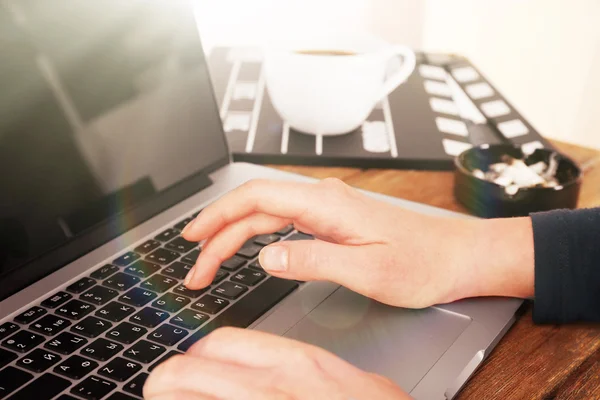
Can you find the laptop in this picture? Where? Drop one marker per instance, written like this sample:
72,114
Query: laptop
110,142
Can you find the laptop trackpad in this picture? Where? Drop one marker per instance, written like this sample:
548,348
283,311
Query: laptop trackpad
395,342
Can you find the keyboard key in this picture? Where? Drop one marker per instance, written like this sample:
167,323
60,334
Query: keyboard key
75,367
285,231
159,283
38,360
167,334
248,277
191,257
189,319
149,317
163,359
126,259
219,276
230,290
120,396
177,270
300,236
144,351
210,304
126,333
233,264
99,295
142,269
147,247
121,281
91,327
138,297
81,285
256,265
75,309
102,349
94,388
136,385
163,256
49,325
171,302
244,313
30,315
23,341
11,379
183,224
6,357
180,245
56,300
65,343
104,272
120,369
249,251
43,388
115,312
182,290
8,328
66,397
166,235
265,240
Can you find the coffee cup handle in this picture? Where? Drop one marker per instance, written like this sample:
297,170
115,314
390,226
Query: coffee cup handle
398,77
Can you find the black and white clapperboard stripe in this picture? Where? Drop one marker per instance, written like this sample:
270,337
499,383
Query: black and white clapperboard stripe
423,124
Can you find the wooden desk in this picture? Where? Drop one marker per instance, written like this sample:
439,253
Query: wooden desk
531,362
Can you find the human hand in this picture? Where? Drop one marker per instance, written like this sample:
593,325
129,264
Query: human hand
243,364
390,254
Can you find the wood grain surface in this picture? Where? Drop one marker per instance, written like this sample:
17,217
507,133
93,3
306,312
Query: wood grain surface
532,361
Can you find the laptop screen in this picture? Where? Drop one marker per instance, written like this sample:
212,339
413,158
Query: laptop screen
105,106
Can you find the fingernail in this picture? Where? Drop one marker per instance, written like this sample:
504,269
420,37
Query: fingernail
189,276
274,258
187,226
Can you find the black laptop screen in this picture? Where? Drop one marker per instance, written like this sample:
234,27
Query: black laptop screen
104,106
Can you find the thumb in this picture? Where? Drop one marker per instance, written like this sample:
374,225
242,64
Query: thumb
307,260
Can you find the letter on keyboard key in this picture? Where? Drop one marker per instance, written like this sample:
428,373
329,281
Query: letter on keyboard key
121,281
11,379
38,360
126,333
177,270
75,367
149,317
147,247
44,388
65,343
137,297
171,302
119,369
163,256
115,312
49,325
167,334
230,290
144,351
247,310
93,388
102,349
91,327
210,304
189,319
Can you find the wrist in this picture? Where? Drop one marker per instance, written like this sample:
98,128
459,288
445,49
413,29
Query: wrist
497,258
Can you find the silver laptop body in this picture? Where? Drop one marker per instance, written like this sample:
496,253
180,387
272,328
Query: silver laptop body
430,353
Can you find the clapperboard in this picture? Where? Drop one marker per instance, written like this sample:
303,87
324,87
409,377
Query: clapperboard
445,107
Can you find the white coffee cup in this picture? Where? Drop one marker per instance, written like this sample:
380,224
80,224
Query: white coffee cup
329,86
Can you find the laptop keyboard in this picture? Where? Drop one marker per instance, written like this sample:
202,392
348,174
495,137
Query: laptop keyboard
100,336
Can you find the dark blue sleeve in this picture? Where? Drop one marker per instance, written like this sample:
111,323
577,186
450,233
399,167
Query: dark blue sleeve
567,266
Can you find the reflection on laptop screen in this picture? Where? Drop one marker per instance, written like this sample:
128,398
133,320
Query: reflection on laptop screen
103,106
